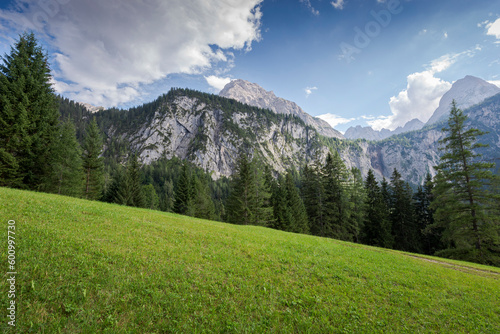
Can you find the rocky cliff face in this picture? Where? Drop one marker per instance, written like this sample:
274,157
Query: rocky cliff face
210,131
368,133
211,137
254,95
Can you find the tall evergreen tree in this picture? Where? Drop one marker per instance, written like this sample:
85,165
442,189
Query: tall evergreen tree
299,222
263,210
336,205
313,193
183,200
202,201
28,116
151,199
93,164
376,227
356,204
242,202
464,205
430,238
67,172
167,199
133,179
402,215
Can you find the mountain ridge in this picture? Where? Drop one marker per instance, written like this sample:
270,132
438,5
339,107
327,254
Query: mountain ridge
254,95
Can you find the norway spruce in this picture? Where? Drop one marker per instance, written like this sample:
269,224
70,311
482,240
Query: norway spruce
464,204
28,116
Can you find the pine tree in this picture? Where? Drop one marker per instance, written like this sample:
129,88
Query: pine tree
241,202
313,194
183,200
263,210
93,164
202,201
376,227
336,206
299,222
402,215
28,116
167,199
133,179
356,204
430,238
151,200
67,172
464,205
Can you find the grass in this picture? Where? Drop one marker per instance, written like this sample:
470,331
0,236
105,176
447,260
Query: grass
90,267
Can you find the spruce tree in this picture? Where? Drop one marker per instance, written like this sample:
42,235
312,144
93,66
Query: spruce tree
203,204
133,178
464,204
430,237
402,215
356,204
28,116
93,164
151,199
336,206
313,193
67,171
294,204
183,200
376,227
241,203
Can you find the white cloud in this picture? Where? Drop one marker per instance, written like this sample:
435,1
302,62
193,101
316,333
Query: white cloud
107,50
495,82
338,4
445,35
217,82
493,28
422,94
335,120
310,7
309,90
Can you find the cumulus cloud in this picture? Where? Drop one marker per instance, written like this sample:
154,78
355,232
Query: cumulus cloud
217,82
420,98
309,90
335,120
493,28
422,94
106,50
338,4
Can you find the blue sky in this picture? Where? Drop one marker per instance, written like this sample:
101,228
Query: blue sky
351,62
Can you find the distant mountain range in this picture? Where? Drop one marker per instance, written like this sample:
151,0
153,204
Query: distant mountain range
466,92
211,130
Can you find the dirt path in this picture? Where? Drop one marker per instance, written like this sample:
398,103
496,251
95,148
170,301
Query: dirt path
463,268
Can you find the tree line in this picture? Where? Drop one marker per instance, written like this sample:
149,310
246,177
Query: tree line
42,148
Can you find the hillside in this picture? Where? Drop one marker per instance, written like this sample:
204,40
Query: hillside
90,267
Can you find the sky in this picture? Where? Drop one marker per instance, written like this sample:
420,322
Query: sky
378,63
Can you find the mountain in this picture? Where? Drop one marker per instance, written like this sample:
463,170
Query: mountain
368,133
466,92
210,131
254,95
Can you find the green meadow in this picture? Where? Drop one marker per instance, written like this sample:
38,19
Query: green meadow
90,267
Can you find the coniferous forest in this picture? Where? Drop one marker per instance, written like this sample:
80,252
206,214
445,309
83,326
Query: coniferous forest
51,144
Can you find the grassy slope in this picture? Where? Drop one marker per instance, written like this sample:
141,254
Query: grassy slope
87,267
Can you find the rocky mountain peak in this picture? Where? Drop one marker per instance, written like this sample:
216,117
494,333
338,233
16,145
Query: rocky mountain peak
254,95
466,92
